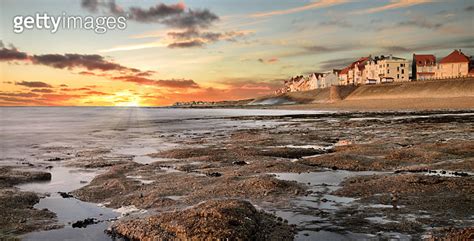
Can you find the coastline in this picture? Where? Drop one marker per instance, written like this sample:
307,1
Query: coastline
448,94
455,103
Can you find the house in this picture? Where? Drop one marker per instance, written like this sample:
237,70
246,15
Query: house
343,76
330,78
423,66
455,65
296,83
354,73
386,69
315,80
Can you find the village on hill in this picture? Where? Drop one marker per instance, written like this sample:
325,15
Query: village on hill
386,69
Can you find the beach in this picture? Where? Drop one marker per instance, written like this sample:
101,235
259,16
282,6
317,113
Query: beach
103,173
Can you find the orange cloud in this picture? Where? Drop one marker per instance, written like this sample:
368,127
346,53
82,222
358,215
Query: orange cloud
394,4
314,5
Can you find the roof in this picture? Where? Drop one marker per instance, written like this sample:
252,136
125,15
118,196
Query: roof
360,63
455,57
424,59
345,70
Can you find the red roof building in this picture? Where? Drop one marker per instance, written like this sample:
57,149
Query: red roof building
455,57
423,66
455,65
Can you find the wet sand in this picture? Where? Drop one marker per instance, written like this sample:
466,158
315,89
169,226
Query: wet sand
304,176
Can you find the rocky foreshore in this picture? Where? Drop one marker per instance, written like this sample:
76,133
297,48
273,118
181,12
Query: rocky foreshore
321,176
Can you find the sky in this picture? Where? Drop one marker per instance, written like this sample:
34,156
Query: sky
210,50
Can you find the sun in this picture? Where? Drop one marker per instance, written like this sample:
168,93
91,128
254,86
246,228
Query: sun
126,99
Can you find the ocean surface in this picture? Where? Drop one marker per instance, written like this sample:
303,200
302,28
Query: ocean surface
23,127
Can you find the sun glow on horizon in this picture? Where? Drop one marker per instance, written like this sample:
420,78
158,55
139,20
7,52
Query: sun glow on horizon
126,99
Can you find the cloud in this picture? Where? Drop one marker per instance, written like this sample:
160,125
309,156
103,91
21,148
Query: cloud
172,15
75,89
87,61
394,4
42,90
309,6
469,8
155,13
34,84
91,5
421,23
176,16
397,49
18,94
93,92
134,47
187,44
97,62
11,54
192,19
335,63
336,22
62,61
172,83
319,49
269,61
195,38
440,45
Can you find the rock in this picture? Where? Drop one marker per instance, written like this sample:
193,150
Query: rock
54,159
213,174
84,223
211,220
65,195
239,163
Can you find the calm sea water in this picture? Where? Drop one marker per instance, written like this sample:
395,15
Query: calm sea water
21,127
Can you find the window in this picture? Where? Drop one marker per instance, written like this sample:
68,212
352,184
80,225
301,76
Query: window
398,69
398,76
388,71
387,65
403,71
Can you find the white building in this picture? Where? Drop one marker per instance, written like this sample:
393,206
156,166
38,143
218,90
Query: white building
386,69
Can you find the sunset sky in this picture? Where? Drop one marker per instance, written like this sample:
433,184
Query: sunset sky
211,49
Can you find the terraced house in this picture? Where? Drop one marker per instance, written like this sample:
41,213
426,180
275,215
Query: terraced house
423,66
386,69
356,71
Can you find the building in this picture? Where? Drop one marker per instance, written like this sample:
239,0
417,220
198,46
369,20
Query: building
330,78
455,65
423,67
315,80
386,69
343,76
354,74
